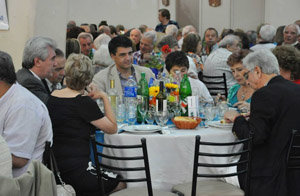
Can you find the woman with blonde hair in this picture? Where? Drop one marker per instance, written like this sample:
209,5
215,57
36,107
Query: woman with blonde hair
74,117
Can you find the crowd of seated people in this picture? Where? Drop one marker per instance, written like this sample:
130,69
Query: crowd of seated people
63,98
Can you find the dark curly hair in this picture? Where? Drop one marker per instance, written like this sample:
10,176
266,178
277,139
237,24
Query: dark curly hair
288,59
237,57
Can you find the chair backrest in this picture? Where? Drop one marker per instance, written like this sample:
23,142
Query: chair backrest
214,86
245,162
143,157
293,158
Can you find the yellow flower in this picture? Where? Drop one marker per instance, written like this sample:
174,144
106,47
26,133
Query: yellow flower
171,85
153,91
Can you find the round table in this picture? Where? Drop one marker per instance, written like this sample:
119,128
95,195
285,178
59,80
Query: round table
171,155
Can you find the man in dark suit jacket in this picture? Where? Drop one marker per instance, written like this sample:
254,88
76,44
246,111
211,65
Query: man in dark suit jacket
273,114
38,62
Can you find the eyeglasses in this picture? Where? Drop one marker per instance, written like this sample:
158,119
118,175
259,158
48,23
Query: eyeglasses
246,75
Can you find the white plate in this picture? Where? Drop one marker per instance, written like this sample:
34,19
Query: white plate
220,125
142,128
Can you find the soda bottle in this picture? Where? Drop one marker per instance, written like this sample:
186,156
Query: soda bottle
185,90
142,91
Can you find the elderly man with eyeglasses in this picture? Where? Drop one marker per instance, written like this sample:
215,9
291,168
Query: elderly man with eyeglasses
274,113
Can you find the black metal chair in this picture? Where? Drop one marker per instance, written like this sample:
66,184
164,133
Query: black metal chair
216,187
293,158
140,191
214,86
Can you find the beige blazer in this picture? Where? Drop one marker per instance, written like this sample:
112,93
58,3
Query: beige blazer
37,181
102,78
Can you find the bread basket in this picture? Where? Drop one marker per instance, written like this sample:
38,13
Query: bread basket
186,122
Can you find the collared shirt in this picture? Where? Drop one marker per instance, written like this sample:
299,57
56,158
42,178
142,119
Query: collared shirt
35,75
24,124
124,80
137,57
161,28
53,87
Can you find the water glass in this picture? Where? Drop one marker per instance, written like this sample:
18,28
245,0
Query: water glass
150,116
120,107
143,107
121,113
161,118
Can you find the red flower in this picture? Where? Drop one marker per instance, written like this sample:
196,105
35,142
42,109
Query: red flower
166,49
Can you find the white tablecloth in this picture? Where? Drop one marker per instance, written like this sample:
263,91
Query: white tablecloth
171,155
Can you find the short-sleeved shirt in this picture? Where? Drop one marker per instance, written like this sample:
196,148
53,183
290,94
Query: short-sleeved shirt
71,119
24,124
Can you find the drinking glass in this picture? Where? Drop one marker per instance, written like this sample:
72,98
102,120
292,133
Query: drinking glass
150,115
143,107
210,112
120,113
161,118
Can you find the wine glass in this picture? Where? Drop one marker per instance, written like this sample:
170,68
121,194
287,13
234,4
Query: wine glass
120,113
143,107
150,116
161,117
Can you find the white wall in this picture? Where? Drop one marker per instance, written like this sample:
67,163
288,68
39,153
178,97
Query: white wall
130,13
282,12
48,18
21,19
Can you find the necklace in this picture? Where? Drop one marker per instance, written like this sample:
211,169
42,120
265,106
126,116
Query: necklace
243,93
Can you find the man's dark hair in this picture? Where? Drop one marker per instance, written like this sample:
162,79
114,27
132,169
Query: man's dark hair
211,29
177,58
7,69
103,22
59,53
119,41
165,13
74,32
244,39
113,29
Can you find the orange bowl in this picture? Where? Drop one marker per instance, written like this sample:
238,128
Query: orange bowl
180,124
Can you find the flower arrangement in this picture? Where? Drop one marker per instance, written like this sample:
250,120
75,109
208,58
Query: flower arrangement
155,61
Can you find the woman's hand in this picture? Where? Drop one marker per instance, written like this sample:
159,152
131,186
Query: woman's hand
230,115
94,93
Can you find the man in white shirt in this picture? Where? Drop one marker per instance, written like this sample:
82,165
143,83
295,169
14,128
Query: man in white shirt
178,61
266,36
37,64
24,120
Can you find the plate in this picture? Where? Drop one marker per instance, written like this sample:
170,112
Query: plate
142,128
218,124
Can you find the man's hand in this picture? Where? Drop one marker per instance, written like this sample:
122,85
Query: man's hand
230,115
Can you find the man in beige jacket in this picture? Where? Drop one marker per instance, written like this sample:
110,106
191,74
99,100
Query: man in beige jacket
120,49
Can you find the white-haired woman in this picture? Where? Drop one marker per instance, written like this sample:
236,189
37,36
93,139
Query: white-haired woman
74,117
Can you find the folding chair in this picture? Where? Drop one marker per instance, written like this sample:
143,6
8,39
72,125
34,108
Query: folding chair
139,191
215,87
216,187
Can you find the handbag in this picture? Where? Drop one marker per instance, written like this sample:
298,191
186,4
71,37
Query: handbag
63,189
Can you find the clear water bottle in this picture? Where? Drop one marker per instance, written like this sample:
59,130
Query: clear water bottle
130,92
